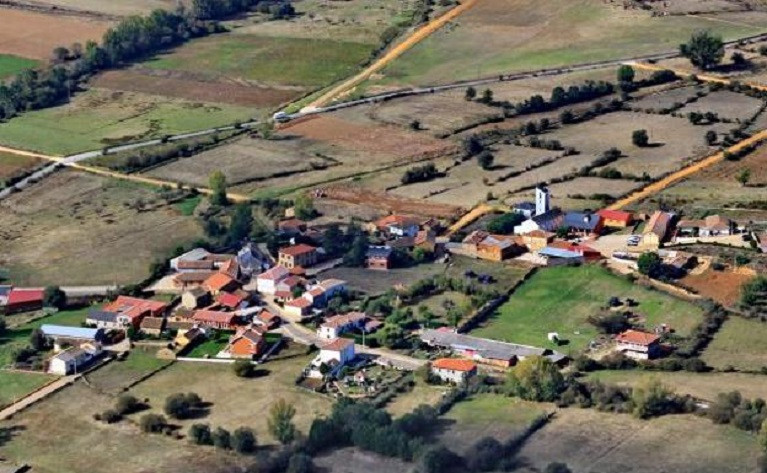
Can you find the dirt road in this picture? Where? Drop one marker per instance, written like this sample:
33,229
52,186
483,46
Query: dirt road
419,35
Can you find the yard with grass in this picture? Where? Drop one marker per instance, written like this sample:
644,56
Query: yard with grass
12,65
237,401
561,299
422,393
210,348
17,384
739,344
120,373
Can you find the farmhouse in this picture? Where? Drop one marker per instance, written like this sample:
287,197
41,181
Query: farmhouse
334,326
195,298
62,335
638,345
300,307
23,300
711,226
302,255
220,282
266,282
615,218
126,312
656,229
247,343
232,301
334,355
73,359
453,370
378,257
484,245
583,223
484,350
215,319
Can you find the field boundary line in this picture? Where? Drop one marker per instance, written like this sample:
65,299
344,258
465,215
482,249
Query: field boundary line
418,35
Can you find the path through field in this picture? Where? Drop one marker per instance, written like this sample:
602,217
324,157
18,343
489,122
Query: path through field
419,35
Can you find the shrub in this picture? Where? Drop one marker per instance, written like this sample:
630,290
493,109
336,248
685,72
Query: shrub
200,434
222,438
243,368
244,440
127,404
152,423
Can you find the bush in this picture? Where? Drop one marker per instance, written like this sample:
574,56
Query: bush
535,379
110,416
182,406
152,423
222,438
244,440
640,138
243,368
200,434
127,404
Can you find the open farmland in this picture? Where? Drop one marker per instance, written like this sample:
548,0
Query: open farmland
726,104
500,36
102,117
699,385
11,65
226,392
587,186
78,228
110,8
17,384
590,441
11,164
721,286
34,35
60,435
740,343
561,299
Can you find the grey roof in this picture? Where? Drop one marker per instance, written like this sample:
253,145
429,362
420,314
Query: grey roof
486,348
5,290
581,220
102,316
525,205
559,253
548,220
71,332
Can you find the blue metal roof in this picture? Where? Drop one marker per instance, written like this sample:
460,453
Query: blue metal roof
558,253
70,332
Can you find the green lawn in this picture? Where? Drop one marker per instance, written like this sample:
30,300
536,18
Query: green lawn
495,408
561,299
15,385
211,347
11,65
502,36
98,117
274,60
740,343
187,206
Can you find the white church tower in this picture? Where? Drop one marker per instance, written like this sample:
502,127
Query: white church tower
542,200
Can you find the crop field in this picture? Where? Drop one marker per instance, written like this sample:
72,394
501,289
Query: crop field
700,385
561,299
11,65
217,384
113,7
101,117
668,98
726,104
78,228
502,36
586,186
60,435
34,35
11,164
590,441
484,415
740,343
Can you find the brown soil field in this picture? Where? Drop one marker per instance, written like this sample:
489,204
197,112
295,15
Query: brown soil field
34,35
666,98
184,86
80,229
721,286
590,441
11,164
393,204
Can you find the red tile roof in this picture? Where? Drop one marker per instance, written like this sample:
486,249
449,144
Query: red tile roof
278,272
453,364
637,338
229,300
23,296
338,344
617,215
133,307
300,302
218,281
213,316
296,250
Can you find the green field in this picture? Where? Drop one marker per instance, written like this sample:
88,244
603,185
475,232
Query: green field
740,343
210,348
12,65
15,385
187,206
98,117
501,36
273,60
119,374
560,300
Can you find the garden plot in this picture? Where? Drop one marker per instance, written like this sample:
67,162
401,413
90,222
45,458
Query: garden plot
673,141
726,104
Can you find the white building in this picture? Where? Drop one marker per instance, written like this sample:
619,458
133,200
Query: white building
453,370
334,356
638,345
542,200
334,326
71,360
266,282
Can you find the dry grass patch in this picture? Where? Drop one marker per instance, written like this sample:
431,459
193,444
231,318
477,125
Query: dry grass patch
740,343
11,164
726,104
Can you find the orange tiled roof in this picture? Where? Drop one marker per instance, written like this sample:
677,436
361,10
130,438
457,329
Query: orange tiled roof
296,250
218,281
453,364
637,338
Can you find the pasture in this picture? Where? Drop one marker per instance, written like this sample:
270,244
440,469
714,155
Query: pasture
739,344
421,393
78,228
99,117
502,36
17,384
11,164
33,35
561,299
11,65
114,7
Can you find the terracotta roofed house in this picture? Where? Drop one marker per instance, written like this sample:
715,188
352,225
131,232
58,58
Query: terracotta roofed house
710,226
215,319
453,370
297,255
334,326
656,229
247,343
220,282
266,282
130,311
298,307
638,345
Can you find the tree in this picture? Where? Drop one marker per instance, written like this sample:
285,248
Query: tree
3,327
241,224
415,125
200,434
485,159
471,93
436,460
650,264
487,96
217,183
280,421
54,297
704,50
127,404
152,423
38,340
357,254
304,207
743,176
563,232
222,438
504,224
626,73
535,379
243,368
244,440
650,398
182,406
333,240
710,137
640,138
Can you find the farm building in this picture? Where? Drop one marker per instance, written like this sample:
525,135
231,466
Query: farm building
484,350
638,345
125,312
453,370
220,282
73,359
583,223
195,298
63,335
215,319
23,300
615,218
300,307
537,239
711,226
656,229
484,245
153,326
553,256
